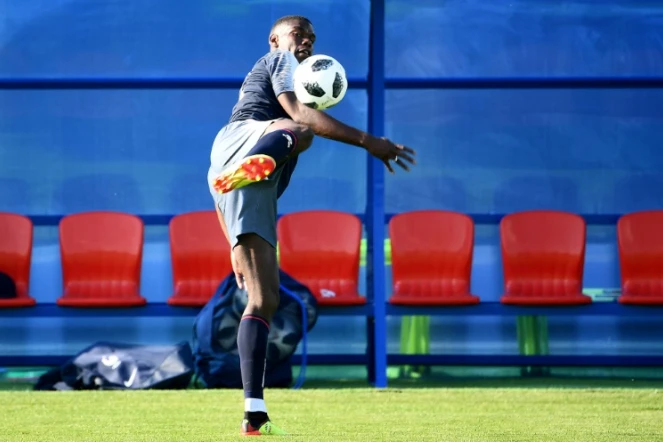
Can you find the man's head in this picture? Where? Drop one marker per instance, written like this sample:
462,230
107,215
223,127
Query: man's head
293,33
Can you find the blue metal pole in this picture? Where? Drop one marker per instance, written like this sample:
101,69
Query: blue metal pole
595,219
179,83
471,83
375,218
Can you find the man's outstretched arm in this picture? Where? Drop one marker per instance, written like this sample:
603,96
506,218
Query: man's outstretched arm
326,126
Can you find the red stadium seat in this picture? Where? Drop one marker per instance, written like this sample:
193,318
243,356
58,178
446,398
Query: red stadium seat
543,255
431,258
101,256
320,249
200,257
15,255
640,243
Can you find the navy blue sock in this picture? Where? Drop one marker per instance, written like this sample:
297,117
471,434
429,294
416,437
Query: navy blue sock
278,145
252,346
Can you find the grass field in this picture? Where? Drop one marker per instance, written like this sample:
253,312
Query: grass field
495,410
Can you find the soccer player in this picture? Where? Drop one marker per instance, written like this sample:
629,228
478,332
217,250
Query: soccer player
252,159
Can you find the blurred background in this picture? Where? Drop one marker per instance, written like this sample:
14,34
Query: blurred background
483,152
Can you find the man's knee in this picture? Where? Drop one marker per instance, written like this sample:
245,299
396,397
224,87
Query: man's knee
256,259
267,303
304,137
303,133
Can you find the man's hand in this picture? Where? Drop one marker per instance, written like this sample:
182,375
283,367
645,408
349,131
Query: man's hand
386,151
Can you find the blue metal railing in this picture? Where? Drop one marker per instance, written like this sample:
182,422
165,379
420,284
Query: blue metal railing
353,83
597,219
526,83
135,83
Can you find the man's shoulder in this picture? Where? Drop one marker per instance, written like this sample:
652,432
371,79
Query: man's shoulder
269,56
276,56
262,61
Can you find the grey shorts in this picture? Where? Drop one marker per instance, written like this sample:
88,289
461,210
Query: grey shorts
250,209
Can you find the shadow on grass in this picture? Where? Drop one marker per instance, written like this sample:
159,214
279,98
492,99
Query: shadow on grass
457,383
336,377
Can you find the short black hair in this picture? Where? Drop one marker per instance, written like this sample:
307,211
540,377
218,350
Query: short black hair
288,19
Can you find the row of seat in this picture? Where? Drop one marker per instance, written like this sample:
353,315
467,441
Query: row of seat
543,256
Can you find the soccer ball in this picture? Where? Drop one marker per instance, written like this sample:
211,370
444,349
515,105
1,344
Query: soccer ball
320,82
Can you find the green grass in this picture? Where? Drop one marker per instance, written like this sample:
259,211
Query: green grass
497,411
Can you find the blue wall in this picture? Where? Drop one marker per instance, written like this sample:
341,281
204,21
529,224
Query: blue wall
594,151
481,152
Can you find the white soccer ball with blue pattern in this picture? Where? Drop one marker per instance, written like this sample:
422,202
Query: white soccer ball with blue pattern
320,82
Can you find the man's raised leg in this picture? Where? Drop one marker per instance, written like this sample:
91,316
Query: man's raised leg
281,140
256,259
